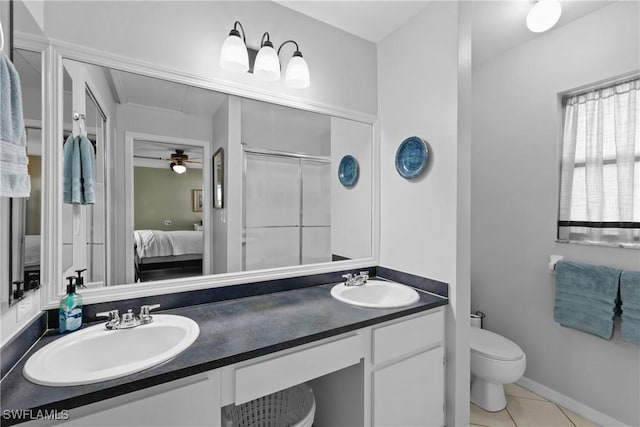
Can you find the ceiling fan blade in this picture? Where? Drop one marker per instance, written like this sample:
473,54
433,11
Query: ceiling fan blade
148,157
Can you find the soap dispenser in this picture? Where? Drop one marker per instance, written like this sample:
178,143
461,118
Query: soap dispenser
70,313
80,279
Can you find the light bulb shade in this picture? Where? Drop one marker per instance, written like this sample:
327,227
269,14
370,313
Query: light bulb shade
177,168
543,15
267,65
234,56
297,75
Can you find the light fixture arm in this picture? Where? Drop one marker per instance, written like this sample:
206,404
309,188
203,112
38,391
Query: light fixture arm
235,32
296,53
266,42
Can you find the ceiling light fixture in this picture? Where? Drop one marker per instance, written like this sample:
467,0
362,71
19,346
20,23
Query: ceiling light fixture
543,15
178,168
234,57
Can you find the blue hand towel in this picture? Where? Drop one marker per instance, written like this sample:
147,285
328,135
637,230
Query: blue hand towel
14,178
591,286
71,185
630,298
87,167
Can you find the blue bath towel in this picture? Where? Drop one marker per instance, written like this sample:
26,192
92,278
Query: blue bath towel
87,171
586,297
630,298
71,171
78,171
14,178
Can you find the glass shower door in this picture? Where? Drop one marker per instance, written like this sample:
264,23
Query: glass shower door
271,212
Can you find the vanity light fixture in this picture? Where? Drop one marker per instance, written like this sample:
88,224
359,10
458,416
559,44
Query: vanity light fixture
267,65
543,15
234,57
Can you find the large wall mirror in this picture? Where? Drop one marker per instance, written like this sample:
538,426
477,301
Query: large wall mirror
154,217
153,221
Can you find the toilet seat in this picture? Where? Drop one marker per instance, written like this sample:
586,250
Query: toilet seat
493,346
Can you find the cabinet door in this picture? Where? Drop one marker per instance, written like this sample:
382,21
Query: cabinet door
410,392
195,404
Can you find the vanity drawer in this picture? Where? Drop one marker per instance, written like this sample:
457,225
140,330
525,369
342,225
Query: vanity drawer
393,341
284,371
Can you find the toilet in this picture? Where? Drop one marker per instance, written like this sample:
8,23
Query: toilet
495,361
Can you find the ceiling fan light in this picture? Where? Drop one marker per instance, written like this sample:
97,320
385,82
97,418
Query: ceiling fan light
178,168
297,75
543,15
234,56
267,65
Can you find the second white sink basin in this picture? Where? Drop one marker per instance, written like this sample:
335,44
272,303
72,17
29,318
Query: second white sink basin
376,294
95,354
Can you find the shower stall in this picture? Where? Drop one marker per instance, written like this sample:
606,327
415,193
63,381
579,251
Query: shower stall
286,209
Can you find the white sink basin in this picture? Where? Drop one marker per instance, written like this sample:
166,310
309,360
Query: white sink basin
95,354
376,294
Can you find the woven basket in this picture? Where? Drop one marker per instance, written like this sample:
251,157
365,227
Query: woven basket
292,407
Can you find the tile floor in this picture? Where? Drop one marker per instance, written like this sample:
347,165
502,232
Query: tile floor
527,409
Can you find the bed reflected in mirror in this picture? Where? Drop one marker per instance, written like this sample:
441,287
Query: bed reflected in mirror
167,212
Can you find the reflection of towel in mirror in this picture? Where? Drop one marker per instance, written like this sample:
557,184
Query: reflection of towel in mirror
87,171
14,177
71,180
78,169
630,297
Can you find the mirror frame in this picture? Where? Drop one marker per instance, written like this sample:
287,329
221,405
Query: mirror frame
54,52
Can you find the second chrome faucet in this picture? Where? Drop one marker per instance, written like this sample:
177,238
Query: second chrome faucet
356,280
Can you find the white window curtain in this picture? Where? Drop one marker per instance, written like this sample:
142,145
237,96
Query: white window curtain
600,179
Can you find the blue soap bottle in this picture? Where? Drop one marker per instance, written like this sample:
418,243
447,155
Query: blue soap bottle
70,312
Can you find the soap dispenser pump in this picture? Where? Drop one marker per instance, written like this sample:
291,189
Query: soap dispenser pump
80,279
70,312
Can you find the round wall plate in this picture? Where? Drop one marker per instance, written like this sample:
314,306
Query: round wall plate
348,171
412,157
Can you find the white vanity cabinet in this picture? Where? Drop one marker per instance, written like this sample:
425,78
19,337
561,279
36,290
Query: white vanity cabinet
407,373
390,374
192,401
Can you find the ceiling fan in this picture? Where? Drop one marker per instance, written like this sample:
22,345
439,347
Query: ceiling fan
177,159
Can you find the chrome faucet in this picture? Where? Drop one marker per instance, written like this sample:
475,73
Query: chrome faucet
356,280
128,319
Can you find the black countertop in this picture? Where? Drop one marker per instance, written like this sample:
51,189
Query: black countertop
230,332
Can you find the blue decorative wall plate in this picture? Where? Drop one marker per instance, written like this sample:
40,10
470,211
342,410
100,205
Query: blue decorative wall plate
412,157
348,171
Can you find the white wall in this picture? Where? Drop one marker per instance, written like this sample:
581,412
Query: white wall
351,206
220,137
515,175
188,36
274,127
418,91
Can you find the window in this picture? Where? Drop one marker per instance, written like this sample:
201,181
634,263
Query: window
600,179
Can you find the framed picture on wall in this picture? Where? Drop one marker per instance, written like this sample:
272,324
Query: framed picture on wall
218,179
197,200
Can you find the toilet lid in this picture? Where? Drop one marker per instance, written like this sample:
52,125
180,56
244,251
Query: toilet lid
488,344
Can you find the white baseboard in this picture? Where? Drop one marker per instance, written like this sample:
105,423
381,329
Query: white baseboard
572,405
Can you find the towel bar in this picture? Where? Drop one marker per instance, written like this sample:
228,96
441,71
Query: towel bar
553,260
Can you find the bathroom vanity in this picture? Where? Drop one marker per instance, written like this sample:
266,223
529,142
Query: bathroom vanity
369,367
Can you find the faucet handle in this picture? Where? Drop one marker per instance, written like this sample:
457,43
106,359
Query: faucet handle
365,275
111,314
113,318
145,317
348,279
